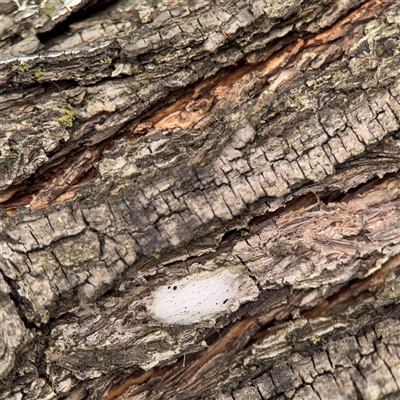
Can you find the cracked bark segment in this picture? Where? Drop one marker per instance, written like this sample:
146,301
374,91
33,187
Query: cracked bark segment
340,382
131,312
282,379
272,253
264,136
247,393
95,104
21,21
179,26
233,205
13,333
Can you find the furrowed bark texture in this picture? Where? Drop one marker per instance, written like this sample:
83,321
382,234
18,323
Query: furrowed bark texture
200,200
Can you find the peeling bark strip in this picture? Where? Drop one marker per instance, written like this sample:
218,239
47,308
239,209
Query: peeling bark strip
198,155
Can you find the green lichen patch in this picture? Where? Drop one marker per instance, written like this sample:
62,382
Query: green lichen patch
20,68
107,60
48,10
315,340
68,118
39,73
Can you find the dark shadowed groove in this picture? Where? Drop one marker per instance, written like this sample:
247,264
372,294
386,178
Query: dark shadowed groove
88,9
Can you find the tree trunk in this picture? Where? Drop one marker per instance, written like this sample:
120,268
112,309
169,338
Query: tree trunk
200,199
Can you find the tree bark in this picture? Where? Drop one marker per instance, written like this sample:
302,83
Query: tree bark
200,200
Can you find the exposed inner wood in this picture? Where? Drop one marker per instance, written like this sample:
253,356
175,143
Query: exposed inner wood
57,185
213,93
123,386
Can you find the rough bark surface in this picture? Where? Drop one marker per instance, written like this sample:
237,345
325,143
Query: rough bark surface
200,200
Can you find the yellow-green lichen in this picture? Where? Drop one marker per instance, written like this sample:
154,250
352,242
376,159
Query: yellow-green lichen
21,68
156,255
48,10
107,60
315,340
48,352
39,73
68,118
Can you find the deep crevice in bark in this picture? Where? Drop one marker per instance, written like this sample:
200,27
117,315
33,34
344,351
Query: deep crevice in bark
88,10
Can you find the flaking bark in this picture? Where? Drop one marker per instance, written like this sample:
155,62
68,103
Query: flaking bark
157,144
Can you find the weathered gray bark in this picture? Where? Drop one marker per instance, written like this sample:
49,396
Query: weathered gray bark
200,200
